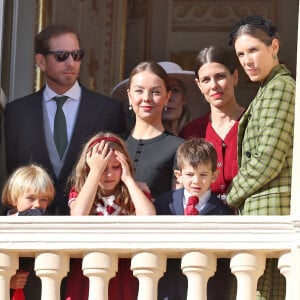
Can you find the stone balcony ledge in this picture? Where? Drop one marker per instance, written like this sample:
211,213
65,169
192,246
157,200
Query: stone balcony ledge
163,233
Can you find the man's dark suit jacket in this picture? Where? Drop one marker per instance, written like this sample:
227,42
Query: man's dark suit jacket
26,142
171,203
173,285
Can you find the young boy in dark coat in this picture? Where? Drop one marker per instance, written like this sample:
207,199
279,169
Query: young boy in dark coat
197,169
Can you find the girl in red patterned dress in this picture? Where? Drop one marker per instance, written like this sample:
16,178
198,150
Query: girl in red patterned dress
102,184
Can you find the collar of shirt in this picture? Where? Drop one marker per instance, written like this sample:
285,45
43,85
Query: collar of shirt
73,93
202,201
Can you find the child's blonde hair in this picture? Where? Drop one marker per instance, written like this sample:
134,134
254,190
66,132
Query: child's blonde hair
23,179
81,171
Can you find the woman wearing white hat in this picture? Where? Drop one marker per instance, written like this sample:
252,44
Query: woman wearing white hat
184,99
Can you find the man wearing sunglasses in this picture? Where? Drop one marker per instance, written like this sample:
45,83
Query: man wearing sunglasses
31,126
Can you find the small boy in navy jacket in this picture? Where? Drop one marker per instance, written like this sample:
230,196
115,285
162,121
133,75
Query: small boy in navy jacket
197,169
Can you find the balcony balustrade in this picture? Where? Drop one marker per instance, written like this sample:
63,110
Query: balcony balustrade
149,241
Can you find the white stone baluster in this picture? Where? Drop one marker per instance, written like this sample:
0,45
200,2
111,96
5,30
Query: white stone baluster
51,268
295,272
148,267
99,267
198,267
9,263
247,268
284,265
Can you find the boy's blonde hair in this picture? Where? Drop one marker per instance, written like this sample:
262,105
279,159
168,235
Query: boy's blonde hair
196,152
23,179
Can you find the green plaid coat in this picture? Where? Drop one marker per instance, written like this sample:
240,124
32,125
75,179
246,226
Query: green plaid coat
265,145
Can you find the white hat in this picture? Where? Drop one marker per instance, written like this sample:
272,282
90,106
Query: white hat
196,103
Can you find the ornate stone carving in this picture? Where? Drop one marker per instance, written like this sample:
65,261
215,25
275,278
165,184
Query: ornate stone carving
217,15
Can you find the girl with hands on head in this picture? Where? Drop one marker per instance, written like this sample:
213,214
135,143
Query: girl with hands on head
103,179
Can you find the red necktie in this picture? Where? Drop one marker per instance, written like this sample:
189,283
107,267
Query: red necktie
190,208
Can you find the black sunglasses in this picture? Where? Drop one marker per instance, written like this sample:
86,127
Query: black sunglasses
61,56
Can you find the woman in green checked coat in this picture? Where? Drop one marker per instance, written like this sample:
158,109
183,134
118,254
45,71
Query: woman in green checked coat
265,138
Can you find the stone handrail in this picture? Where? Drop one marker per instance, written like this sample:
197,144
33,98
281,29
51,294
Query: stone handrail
149,241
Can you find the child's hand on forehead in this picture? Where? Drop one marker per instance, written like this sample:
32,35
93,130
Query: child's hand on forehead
125,168
98,157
